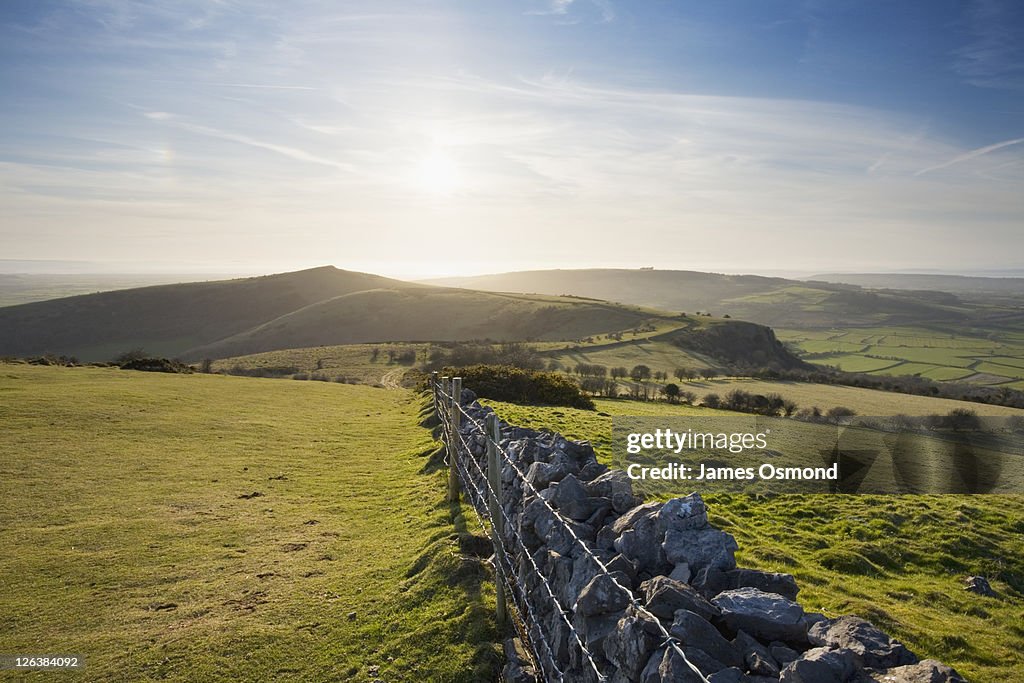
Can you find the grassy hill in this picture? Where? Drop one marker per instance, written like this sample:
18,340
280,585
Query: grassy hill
169,319
767,300
411,314
201,527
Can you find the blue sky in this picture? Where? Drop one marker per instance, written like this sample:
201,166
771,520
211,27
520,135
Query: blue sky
425,138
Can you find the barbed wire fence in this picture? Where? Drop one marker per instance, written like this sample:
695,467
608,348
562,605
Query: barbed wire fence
519,580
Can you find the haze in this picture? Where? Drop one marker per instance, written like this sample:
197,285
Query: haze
418,139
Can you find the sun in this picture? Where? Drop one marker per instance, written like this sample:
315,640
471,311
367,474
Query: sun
437,174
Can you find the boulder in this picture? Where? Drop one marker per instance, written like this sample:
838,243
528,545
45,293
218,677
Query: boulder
979,585
601,596
925,671
693,630
767,616
541,474
757,658
664,597
687,513
820,665
672,668
769,582
700,548
869,646
640,540
630,646
681,572
571,499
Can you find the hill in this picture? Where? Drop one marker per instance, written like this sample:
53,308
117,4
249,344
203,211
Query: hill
435,314
961,284
169,319
773,301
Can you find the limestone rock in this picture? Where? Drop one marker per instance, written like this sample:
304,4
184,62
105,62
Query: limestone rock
869,646
664,597
768,616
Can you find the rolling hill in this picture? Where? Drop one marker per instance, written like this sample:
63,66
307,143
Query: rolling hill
428,314
170,319
321,306
773,301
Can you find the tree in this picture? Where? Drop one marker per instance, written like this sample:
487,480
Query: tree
373,354
962,419
839,413
660,375
619,372
709,373
688,397
671,392
681,374
712,401
640,373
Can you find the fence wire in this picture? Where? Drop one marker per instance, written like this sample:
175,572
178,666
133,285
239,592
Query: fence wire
445,402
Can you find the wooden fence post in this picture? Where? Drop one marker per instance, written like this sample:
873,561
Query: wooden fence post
433,390
497,516
453,475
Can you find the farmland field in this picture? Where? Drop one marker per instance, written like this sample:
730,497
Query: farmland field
198,527
898,561
994,358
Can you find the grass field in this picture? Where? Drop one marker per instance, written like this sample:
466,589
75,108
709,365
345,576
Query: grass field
898,561
201,527
960,355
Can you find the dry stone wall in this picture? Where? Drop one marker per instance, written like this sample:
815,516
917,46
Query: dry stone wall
732,624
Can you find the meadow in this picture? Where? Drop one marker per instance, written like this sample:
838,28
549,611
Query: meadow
990,357
898,561
204,527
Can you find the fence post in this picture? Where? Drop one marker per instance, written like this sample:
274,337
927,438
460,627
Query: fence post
453,475
497,515
433,390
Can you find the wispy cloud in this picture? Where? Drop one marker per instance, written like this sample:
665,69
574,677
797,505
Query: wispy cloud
973,154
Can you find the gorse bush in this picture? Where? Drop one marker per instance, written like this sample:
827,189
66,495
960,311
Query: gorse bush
517,385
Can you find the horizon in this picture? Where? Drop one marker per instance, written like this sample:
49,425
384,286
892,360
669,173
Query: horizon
722,137
29,267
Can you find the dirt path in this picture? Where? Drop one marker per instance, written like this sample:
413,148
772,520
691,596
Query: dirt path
392,379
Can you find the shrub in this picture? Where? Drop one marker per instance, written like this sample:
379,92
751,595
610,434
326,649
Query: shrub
517,385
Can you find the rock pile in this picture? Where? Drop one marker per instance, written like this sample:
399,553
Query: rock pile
669,572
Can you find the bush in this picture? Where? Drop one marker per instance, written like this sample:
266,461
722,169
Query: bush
517,385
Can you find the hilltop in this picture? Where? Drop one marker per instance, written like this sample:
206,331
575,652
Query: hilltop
169,319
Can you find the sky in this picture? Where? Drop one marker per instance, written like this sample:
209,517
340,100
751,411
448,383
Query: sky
417,139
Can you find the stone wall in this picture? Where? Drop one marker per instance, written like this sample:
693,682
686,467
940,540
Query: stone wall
732,624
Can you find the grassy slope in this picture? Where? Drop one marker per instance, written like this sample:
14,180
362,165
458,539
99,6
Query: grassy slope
765,300
896,560
169,319
428,314
122,498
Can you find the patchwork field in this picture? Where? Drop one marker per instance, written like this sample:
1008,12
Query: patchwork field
992,358
199,527
898,561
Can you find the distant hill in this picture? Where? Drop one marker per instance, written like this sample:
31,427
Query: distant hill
774,301
170,319
428,314
918,281
321,306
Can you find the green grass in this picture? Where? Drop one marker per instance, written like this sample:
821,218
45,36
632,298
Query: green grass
129,536
898,561
937,354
